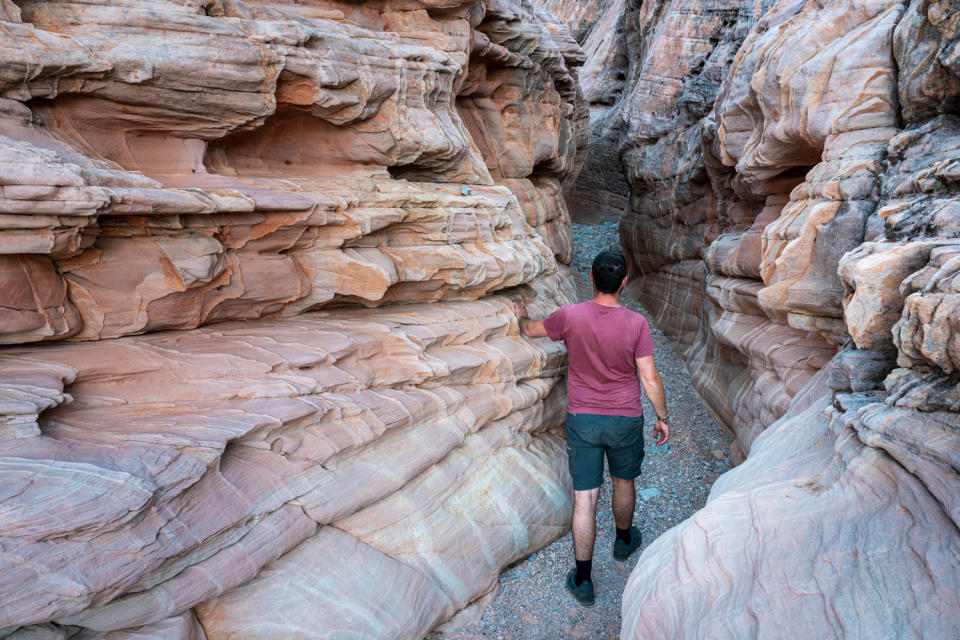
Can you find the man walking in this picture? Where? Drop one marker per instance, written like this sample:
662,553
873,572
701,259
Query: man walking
607,346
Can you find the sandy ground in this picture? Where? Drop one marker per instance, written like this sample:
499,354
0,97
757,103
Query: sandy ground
532,602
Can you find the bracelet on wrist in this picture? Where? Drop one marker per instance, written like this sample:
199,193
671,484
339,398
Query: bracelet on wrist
664,419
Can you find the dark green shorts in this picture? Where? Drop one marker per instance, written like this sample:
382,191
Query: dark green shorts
590,436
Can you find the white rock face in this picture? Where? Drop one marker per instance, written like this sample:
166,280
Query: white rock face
273,247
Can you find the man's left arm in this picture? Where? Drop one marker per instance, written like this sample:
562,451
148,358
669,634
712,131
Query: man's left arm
653,386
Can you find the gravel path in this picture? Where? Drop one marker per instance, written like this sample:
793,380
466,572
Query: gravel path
533,603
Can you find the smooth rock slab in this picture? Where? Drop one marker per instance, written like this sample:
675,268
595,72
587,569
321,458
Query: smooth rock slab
271,431
777,546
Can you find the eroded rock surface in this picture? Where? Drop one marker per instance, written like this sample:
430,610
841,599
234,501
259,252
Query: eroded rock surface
272,247
578,16
793,227
600,192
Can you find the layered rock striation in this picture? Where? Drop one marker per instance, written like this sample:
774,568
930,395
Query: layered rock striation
600,193
271,247
793,227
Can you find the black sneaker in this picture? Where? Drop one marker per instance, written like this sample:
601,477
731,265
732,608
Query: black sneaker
622,550
583,593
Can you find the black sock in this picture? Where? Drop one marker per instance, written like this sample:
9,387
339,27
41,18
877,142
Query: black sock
623,535
583,571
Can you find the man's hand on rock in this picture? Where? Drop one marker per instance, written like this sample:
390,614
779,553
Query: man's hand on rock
520,309
528,327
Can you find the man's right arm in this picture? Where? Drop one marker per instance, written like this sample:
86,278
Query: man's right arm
530,328
653,386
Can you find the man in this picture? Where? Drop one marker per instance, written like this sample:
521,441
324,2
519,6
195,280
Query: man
607,345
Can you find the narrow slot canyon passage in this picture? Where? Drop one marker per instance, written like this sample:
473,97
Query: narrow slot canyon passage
262,374
532,601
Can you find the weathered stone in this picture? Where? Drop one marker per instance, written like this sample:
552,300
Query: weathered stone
859,370
262,429
824,522
578,15
277,244
600,192
792,227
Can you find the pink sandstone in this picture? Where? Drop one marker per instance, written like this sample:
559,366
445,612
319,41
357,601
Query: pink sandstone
272,248
792,227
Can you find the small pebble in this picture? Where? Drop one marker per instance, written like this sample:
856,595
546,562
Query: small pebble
649,494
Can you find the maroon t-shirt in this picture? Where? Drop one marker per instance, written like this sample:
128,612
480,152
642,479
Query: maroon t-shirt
603,344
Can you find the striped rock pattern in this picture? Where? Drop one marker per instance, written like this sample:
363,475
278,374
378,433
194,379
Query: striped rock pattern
600,192
793,227
271,249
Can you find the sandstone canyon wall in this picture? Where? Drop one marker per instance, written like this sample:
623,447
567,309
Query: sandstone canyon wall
794,227
261,376
600,193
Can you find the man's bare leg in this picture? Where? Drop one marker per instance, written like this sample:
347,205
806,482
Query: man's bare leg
624,502
584,528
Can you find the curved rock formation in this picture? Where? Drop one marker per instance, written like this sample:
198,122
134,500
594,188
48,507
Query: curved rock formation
600,192
793,227
272,247
579,16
